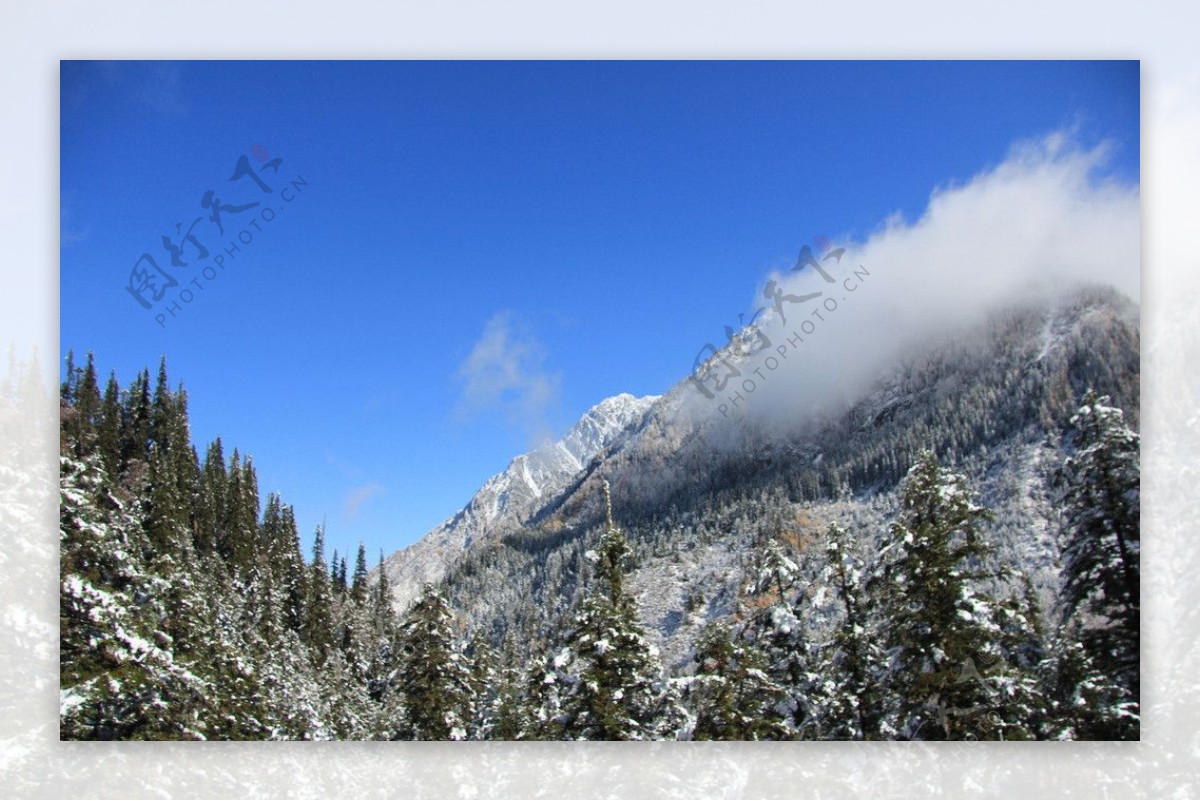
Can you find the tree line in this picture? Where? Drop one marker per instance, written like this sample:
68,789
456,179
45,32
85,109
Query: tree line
190,611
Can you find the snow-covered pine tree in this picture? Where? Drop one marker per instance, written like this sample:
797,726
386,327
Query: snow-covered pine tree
108,430
238,535
1085,702
510,710
776,574
538,715
434,676
318,608
1102,511
620,692
383,617
774,625
485,679
382,669
1020,705
939,627
180,611
83,392
730,695
848,694
209,516
135,437
281,547
119,679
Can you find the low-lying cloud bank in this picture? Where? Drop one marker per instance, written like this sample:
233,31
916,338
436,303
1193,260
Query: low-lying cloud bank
1045,220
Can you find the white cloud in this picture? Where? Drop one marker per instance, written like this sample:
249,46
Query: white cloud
356,497
1043,220
505,372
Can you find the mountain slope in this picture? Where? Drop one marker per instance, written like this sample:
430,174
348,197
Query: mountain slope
700,494
507,499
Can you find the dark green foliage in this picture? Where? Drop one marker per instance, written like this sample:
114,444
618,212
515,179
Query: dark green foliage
1099,668
108,430
183,615
617,690
1102,509
381,603
731,693
435,678
135,435
853,662
1086,702
940,627
358,588
318,631
509,712
187,614
209,514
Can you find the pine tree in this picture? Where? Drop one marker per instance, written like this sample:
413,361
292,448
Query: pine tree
539,714
850,696
108,432
435,676
209,520
358,588
773,624
1086,703
335,585
161,410
87,408
939,628
167,510
484,680
292,575
284,564
731,694
118,676
159,639
337,575
1020,706
66,392
247,516
135,441
231,535
383,616
381,671
1101,573
776,573
238,536
318,610
511,713
620,693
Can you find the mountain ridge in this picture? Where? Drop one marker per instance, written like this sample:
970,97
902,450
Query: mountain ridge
987,401
509,497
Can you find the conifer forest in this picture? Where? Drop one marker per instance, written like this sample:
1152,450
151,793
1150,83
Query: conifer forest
952,556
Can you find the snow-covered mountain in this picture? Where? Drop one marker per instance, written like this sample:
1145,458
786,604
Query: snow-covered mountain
698,495
507,499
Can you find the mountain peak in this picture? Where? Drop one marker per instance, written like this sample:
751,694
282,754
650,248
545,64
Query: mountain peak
508,498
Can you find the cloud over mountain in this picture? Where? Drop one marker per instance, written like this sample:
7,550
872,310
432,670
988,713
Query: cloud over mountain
1045,219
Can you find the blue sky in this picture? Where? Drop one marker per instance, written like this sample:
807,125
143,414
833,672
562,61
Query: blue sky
474,253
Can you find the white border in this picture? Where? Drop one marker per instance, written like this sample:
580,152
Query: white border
35,35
